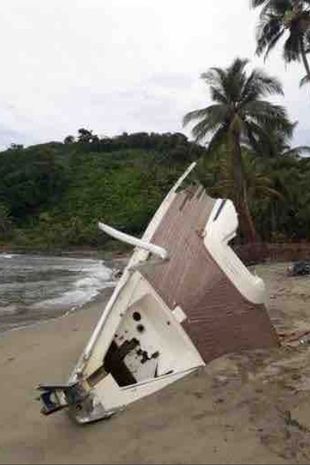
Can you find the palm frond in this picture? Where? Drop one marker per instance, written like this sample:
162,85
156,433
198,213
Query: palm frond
273,42
292,49
268,32
260,84
237,67
203,128
256,3
218,138
296,151
217,95
214,76
283,17
212,115
305,80
266,114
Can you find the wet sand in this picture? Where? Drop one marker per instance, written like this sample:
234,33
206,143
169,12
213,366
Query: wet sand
248,408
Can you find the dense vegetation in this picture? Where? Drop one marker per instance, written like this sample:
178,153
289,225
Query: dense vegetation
52,195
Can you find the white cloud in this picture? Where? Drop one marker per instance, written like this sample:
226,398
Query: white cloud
121,65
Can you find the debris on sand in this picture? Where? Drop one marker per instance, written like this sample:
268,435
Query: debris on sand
301,268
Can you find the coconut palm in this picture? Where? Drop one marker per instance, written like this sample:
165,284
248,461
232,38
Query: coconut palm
239,114
280,18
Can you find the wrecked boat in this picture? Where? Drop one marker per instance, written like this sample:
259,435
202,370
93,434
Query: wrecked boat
184,299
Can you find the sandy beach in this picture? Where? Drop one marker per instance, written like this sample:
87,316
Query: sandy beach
242,408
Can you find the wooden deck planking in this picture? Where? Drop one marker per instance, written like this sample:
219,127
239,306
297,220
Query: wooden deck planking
219,318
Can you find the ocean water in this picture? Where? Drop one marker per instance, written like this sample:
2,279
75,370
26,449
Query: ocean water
35,287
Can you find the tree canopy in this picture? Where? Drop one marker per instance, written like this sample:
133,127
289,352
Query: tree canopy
240,113
52,195
287,19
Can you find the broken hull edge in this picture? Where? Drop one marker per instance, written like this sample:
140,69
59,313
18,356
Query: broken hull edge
177,356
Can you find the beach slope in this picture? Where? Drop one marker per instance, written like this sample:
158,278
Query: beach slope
247,408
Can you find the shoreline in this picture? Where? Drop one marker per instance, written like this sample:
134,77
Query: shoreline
75,252
260,252
102,296
16,317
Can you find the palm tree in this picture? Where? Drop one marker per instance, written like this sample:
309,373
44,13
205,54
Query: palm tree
239,114
285,17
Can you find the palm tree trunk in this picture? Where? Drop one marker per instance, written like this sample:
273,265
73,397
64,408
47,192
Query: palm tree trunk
273,219
252,235
304,58
245,218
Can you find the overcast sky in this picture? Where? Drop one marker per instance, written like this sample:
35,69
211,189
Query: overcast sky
122,65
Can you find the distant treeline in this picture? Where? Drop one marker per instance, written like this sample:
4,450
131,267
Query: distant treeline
173,145
52,195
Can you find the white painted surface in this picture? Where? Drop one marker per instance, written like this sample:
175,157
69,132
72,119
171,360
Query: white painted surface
111,396
154,249
217,234
179,314
163,333
138,295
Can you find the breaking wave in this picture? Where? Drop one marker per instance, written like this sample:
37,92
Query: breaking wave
34,287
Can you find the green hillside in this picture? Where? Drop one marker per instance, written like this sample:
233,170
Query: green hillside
52,195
